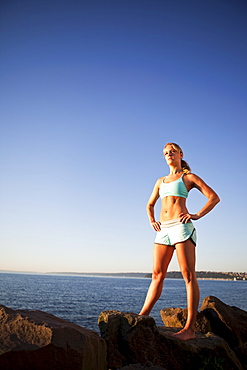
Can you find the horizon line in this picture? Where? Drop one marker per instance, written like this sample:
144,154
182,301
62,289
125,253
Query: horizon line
101,272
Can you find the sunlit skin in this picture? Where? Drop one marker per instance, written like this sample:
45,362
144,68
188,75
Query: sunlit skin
174,207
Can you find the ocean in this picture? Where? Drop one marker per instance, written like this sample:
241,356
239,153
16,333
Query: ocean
80,299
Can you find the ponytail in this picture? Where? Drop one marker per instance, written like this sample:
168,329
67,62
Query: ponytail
184,164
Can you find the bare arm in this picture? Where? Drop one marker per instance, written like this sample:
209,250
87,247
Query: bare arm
196,182
150,206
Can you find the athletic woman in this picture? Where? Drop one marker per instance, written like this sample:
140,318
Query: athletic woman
175,230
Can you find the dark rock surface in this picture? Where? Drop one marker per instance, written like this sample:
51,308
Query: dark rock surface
134,339
149,366
39,341
35,340
228,322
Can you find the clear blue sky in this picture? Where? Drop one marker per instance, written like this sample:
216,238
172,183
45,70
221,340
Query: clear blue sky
90,93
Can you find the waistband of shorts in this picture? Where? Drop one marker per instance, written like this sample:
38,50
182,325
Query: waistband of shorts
171,223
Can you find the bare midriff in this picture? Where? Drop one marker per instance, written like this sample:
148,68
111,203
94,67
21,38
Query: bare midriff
171,207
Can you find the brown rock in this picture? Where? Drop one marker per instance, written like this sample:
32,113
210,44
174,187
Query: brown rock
134,339
241,353
116,329
176,318
37,340
140,367
228,322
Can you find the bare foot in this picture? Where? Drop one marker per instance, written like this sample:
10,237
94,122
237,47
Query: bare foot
185,334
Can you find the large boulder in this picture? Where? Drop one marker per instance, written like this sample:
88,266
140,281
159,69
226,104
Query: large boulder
176,318
116,328
134,339
37,340
228,322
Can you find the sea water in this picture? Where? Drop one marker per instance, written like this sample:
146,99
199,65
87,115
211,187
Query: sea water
80,299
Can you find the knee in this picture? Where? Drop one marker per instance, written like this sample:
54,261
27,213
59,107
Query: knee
158,275
188,275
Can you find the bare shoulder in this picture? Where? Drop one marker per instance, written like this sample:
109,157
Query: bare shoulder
159,181
193,181
191,177
158,184
155,193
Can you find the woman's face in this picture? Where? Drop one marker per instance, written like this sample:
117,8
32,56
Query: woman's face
172,155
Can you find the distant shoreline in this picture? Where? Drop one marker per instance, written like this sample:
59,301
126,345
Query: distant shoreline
201,275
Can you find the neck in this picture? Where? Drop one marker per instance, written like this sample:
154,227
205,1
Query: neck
175,170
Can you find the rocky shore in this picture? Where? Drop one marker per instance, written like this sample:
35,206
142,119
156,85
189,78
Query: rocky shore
37,340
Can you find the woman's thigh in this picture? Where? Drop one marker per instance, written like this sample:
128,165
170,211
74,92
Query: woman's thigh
186,255
162,257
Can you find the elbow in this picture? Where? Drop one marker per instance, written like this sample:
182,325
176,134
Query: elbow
149,206
216,199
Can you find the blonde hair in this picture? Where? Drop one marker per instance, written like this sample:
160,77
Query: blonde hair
184,164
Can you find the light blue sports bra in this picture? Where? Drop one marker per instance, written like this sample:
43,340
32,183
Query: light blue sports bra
174,188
